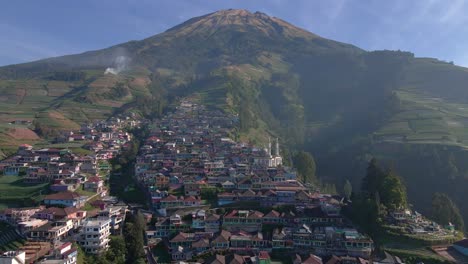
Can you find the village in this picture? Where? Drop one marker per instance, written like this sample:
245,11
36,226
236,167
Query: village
212,195
208,198
77,208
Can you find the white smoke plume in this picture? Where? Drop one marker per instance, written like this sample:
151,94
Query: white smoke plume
120,64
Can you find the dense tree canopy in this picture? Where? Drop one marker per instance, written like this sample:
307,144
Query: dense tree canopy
134,229
373,178
392,192
305,164
444,211
385,187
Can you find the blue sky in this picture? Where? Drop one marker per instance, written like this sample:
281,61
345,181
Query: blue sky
32,30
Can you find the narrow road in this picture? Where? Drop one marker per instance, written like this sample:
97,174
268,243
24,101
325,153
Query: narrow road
149,257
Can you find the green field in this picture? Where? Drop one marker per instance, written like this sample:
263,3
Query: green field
13,192
424,119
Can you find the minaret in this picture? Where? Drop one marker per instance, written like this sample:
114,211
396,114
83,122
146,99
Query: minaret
277,148
269,146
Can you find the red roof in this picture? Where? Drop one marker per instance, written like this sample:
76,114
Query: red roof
65,245
170,198
263,255
190,199
94,179
62,196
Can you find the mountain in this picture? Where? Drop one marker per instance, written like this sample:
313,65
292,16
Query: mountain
340,102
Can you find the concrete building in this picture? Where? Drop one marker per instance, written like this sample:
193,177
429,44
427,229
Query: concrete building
94,236
13,257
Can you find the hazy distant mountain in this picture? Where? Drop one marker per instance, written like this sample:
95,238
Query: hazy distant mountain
341,102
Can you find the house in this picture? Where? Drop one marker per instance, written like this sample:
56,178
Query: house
282,238
356,244
198,219
117,216
250,221
35,250
13,257
311,259
212,222
161,181
227,259
181,240
221,241
226,198
227,185
244,184
201,246
174,201
181,253
388,259
67,199
76,137
192,189
273,217
51,232
27,226
62,186
64,254
94,236
16,215
57,213
94,184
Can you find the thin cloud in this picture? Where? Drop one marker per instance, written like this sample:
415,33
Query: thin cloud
454,13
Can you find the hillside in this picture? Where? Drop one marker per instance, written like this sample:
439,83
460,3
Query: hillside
340,102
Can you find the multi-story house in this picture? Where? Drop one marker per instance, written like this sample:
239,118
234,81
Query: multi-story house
282,238
212,222
182,239
64,254
173,201
52,231
221,241
94,184
192,189
198,220
117,216
16,215
250,221
13,257
94,235
67,199
167,226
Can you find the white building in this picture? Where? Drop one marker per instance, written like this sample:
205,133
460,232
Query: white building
94,235
268,159
13,257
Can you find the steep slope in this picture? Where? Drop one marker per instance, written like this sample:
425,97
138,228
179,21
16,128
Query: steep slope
340,102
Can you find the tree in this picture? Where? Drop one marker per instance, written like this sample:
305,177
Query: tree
305,165
444,211
365,212
347,189
117,251
373,179
392,191
134,229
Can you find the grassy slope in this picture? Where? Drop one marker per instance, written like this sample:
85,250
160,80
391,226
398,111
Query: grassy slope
12,190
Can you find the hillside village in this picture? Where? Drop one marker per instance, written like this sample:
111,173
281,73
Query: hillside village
78,202
208,198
